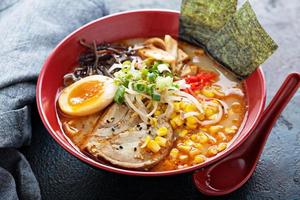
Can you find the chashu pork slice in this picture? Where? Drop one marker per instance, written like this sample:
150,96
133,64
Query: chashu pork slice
119,137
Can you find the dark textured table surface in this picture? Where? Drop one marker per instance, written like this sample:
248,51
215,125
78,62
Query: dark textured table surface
62,176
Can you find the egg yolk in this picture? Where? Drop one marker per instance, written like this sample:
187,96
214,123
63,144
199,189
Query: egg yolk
85,93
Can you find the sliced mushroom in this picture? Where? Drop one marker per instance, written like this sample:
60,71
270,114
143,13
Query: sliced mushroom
189,70
157,54
181,56
171,45
165,50
156,42
171,48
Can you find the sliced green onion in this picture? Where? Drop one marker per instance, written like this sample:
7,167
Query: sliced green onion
151,77
155,96
139,87
119,95
145,72
150,89
155,65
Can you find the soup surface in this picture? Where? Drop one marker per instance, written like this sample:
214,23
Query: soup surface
164,105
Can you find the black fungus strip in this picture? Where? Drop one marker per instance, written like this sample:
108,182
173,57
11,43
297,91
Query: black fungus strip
96,59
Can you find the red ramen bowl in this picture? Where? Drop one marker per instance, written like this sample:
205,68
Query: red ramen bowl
132,24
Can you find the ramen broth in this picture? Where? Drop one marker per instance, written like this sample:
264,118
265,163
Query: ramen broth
191,144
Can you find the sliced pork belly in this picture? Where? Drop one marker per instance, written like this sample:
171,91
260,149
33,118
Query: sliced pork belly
118,138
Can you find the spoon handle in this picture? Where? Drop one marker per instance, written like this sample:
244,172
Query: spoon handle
278,103
257,138
263,129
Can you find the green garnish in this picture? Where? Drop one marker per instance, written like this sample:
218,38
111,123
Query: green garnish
153,79
119,95
155,96
139,87
151,76
144,72
150,89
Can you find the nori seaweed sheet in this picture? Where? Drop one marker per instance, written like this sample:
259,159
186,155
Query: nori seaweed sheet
201,19
242,44
234,39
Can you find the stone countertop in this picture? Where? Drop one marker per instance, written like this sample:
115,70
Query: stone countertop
277,176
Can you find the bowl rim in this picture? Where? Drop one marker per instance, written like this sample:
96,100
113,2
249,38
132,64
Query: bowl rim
111,168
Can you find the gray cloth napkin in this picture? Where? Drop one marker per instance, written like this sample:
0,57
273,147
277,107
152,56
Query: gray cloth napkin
29,29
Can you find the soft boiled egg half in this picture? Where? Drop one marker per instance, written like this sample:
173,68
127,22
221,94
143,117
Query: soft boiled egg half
87,96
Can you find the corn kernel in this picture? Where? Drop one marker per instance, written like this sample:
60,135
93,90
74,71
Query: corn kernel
231,130
173,115
178,121
208,112
207,92
191,120
184,148
173,124
183,158
195,137
193,152
176,106
146,141
222,146
183,133
198,146
190,108
183,105
199,159
162,131
161,141
189,142
153,146
215,129
157,113
153,121
174,153
212,150
191,126
203,138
